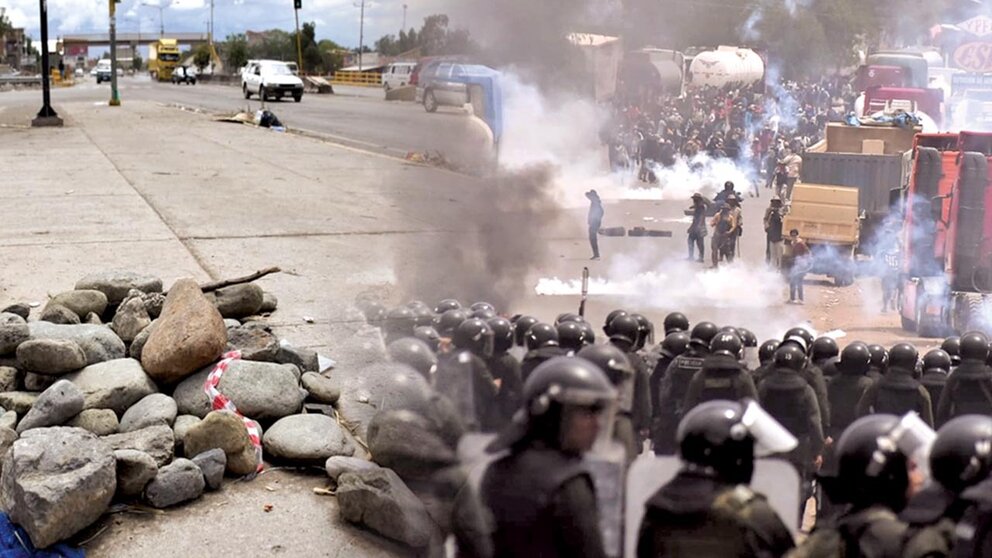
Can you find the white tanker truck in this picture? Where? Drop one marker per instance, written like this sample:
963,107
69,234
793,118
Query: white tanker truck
726,65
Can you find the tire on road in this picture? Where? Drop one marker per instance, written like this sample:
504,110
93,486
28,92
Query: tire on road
430,102
262,93
298,97
244,88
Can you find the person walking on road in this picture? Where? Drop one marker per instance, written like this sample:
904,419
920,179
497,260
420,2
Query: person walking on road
595,221
697,230
724,226
800,264
793,164
773,233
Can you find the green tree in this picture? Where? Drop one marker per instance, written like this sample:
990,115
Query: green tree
201,57
235,51
331,55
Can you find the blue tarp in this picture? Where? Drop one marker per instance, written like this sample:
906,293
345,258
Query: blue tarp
15,543
901,119
488,79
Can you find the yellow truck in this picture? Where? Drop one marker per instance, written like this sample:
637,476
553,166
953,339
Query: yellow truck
163,56
828,219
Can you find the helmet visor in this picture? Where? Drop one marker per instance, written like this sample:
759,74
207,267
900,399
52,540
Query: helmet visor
770,437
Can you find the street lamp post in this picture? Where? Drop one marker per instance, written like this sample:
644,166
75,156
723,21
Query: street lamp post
361,33
47,115
161,20
115,98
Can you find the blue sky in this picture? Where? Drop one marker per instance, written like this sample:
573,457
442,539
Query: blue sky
336,19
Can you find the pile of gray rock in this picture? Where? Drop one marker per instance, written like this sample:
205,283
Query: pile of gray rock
102,399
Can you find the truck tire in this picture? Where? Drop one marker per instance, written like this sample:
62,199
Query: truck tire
244,87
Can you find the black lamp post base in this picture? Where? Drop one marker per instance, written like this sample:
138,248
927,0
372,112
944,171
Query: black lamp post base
46,118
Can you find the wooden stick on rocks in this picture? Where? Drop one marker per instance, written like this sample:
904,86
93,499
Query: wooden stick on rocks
213,286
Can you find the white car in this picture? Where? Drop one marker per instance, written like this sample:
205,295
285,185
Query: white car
271,79
397,74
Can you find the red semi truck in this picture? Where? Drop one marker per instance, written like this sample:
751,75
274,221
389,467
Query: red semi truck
947,236
894,80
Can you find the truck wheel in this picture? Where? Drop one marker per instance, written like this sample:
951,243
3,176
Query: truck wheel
924,329
907,324
430,102
247,93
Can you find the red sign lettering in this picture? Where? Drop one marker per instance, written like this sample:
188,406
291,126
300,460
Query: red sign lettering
974,57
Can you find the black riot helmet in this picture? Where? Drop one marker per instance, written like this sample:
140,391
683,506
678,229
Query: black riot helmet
611,360
484,314
609,319
904,356
520,327
568,317
374,313
937,359
399,322
871,469
728,344
748,337
962,453
428,335
553,385
423,314
446,323
702,334
766,352
824,348
476,306
502,335
571,336
475,335
590,334
645,331
540,336
625,329
879,356
798,341
790,357
676,321
675,344
952,346
974,347
414,353
854,359
730,329
447,304
801,332
722,438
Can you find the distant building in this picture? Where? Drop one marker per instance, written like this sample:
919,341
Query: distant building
370,61
12,47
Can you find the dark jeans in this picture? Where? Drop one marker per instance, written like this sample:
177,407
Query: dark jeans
696,241
594,237
796,286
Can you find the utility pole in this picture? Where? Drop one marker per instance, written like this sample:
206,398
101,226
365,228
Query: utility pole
210,38
404,19
361,33
297,4
115,98
47,115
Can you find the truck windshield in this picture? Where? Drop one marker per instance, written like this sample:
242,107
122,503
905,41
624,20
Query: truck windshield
168,57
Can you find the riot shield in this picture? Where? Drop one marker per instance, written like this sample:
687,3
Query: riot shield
777,480
607,465
455,378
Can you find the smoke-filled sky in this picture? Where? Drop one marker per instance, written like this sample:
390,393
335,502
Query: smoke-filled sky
337,20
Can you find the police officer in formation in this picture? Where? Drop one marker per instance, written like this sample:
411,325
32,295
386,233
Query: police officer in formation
550,394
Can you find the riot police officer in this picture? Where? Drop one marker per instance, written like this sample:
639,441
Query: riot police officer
521,326
422,313
872,480
571,336
823,355
540,494
722,376
446,322
898,392
959,459
674,344
462,376
790,400
952,346
447,304
676,321
625,332
936,368
414,353
707,509
504,368
847,388
399,323
766,355
811,373
879,362
542,345
621,373
969,387
677,378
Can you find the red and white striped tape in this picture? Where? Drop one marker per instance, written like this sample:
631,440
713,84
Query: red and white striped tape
220,402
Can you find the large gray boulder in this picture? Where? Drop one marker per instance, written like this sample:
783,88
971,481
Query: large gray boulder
56,482
131,317
82,302
98,342
212,463
306,439
13,331
53,357
260,390
117,284
226,431
338,465
177,482
157,441
58,314
54,407
378,500
188,335
116,384
153,409
238,301
135,469
102,422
